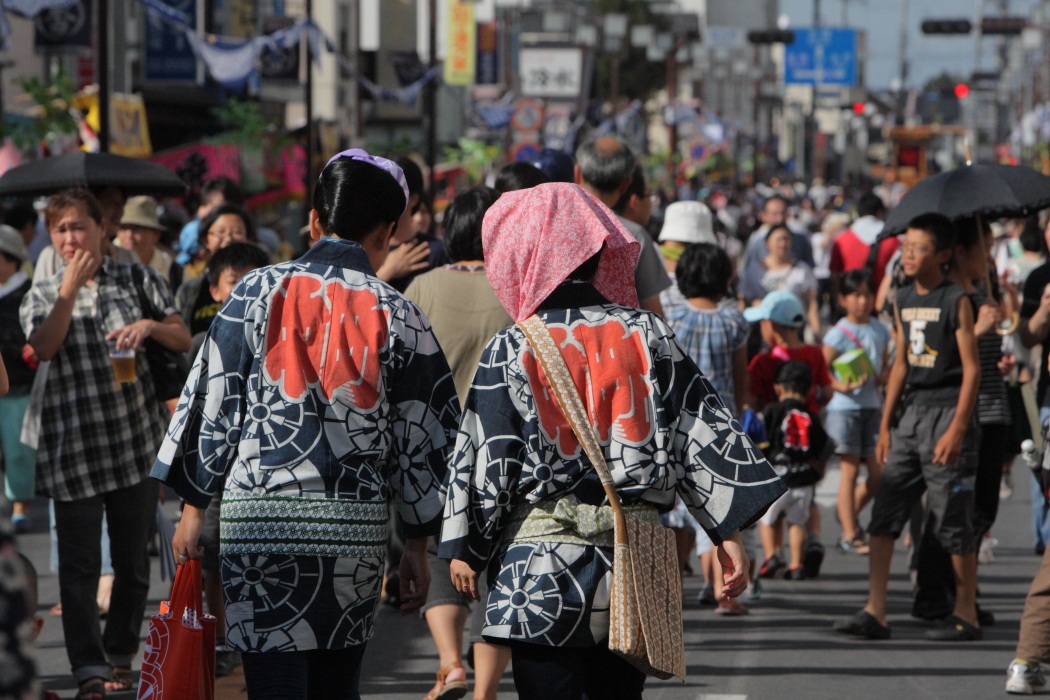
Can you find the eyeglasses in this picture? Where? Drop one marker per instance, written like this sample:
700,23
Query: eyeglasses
916,250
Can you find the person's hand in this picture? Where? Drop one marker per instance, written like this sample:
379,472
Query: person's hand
882,448
464,578
415,576
1044,301
131,337
735,567
404,260
79,270
988,318
1007,364
187,534
948,447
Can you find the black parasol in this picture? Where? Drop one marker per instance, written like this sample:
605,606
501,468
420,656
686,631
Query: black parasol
79,169
992,191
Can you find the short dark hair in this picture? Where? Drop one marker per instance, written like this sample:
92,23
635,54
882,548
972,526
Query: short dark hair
236,256
225,208
938,227
776,198
704,270
413,175
636,188
605,169
853,280
795,376
463,223
353,197
518,176
586,270
1033,237
20,213
75,198
231,192
870,204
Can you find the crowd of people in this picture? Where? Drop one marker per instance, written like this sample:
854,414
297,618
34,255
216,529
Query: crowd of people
369,421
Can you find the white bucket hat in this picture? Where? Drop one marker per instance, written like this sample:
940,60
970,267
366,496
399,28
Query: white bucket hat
688,222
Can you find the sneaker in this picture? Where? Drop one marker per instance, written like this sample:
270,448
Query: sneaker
863,624
813,558
1024,677
706,596
954,629
731,608
771,566
795,574
754,590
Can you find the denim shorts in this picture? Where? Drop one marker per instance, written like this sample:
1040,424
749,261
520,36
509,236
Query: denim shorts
854,431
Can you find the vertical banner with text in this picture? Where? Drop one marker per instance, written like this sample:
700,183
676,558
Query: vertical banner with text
461,47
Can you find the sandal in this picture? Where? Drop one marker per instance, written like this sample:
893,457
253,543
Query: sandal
452,690
92,689
122,681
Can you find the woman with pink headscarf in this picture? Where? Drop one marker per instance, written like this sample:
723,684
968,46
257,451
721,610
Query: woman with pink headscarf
525,503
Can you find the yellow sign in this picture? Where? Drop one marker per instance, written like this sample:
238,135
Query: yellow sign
461,47
128,128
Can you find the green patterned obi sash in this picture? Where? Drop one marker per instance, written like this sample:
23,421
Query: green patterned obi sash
326,527
567,521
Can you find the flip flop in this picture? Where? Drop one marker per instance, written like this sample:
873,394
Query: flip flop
92,689
122,681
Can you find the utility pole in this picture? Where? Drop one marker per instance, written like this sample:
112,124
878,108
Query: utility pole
311,148
102,66
902,61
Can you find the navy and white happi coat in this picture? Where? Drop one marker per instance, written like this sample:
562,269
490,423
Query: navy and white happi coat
319,396
664,430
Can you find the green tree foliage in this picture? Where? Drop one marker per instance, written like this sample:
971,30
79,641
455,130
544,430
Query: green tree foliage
50,116
639,77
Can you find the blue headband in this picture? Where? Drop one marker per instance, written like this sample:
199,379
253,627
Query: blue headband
382,163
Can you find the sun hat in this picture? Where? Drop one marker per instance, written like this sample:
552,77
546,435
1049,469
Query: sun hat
780,307
141,211
11,242
687,222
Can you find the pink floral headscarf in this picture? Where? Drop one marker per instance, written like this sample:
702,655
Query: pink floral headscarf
533,240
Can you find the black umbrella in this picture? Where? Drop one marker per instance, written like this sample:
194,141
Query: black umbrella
992,191
79,169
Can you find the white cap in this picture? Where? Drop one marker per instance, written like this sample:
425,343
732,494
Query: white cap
687,222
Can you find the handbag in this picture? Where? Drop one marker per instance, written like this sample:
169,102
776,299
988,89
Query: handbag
168,368
645,625
179,658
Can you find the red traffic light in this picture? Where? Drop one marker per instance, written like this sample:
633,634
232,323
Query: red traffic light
961,90
858,108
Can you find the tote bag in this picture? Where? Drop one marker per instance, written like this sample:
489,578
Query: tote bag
179,658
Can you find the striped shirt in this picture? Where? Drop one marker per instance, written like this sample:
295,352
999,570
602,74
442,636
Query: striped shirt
993,408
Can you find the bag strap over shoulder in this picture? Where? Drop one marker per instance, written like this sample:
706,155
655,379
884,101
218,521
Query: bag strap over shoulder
550,357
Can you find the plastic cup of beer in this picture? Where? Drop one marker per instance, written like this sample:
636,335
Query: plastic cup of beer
123,362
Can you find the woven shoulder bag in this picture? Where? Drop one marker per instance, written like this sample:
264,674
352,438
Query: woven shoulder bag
645,626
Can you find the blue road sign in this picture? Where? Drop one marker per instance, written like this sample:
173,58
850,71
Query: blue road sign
821,57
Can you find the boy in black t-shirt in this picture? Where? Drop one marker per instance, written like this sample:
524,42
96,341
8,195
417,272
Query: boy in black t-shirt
798,448
932,444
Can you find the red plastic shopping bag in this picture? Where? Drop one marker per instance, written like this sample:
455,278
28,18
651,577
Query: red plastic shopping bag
179,659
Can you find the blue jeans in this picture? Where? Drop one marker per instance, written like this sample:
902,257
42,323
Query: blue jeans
320,674
1040,512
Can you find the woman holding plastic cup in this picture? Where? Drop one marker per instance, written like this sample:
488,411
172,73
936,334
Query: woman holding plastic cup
98,436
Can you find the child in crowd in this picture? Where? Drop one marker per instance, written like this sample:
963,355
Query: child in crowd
225,269
930,397
854,412
797,450
782,316
714,335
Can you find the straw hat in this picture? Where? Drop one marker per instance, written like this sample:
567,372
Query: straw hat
141,211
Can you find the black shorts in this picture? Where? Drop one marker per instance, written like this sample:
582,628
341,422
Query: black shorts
910,471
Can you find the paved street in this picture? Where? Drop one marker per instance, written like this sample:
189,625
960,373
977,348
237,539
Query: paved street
784,649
